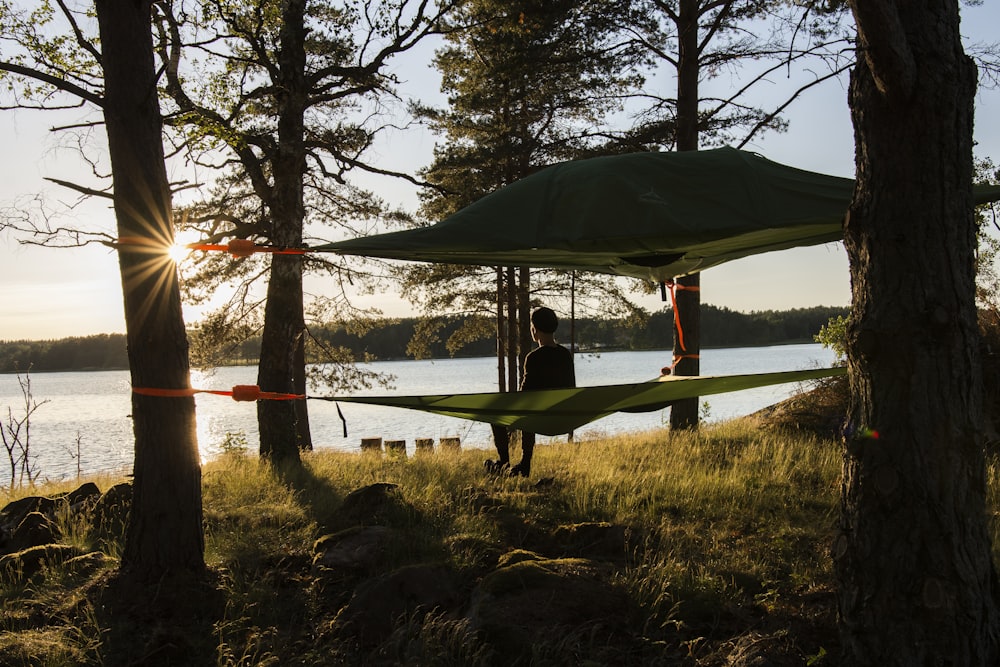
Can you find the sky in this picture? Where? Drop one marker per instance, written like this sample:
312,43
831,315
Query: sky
48,293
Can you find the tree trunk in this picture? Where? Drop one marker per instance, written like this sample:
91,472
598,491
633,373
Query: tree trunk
301,383
282,431
684,413
524,340
164,534
513,372
501,336
913,562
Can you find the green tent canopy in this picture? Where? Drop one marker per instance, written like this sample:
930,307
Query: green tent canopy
555,411
654,216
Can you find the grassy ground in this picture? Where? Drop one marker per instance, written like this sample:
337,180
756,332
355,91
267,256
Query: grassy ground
723,560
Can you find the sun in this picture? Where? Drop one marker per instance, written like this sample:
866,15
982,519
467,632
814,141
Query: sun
180,250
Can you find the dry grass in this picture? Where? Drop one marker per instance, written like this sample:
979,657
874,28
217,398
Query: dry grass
728,530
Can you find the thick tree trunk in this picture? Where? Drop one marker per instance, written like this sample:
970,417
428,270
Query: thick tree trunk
164,534
282,333
916,581
687,331
284,426
687,347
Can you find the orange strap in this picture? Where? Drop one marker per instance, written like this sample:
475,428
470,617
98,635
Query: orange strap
667,370
245,248
241,392
673,304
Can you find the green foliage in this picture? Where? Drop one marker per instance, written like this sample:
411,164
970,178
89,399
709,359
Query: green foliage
988,249
833,336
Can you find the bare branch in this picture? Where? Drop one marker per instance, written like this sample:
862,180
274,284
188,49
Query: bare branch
90,192
55,82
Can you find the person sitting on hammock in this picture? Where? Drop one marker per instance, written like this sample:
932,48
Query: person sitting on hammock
548,366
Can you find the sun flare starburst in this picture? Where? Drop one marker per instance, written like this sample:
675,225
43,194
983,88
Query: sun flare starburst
181,247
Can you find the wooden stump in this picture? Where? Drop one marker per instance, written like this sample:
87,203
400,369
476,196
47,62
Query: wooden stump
396,448
371,445
424,446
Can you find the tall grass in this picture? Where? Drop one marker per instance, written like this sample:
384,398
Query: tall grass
730,515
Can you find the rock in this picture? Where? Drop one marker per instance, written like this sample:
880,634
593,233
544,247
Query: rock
16,535
376,504
86,563
533,599
516,556
759,650
596,539
407,594
22,565
34,530
354,549
110,512
84,494
14,512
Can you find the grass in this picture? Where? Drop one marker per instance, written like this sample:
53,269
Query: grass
725,550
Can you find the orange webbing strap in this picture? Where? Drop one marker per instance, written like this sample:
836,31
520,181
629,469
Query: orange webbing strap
241,392
245,248
667,370
673,304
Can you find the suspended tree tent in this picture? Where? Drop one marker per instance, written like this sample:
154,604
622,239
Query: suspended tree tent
655,216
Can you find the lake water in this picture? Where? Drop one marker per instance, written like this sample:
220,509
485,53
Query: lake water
93,407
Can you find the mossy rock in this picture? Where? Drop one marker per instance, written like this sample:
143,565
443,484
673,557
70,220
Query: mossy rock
375,504
535,602
23,565
591,539
354,549
516,556
405,595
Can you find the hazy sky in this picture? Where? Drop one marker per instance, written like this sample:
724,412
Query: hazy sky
52,293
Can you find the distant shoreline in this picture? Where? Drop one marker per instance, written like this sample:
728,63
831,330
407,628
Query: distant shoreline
98,369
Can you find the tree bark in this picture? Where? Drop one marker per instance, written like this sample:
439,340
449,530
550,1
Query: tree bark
513,370
284,426
916,583
164,534
524,341
687,328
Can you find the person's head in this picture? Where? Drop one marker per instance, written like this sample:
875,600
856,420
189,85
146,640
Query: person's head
544,320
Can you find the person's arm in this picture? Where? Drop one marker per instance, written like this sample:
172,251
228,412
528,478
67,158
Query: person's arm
529,378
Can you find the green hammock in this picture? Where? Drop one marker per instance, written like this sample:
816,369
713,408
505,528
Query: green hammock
555,411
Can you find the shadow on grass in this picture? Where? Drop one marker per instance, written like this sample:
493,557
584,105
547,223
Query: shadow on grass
169,622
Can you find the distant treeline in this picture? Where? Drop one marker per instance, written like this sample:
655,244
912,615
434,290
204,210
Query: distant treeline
100,352
720,327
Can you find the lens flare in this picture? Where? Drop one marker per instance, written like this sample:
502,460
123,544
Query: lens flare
180,250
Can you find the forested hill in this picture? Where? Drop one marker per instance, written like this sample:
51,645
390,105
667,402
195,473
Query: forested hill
720,327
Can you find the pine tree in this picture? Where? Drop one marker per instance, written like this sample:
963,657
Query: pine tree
529,83
274,87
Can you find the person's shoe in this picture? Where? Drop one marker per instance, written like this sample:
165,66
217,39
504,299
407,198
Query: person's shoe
496,467
521,470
